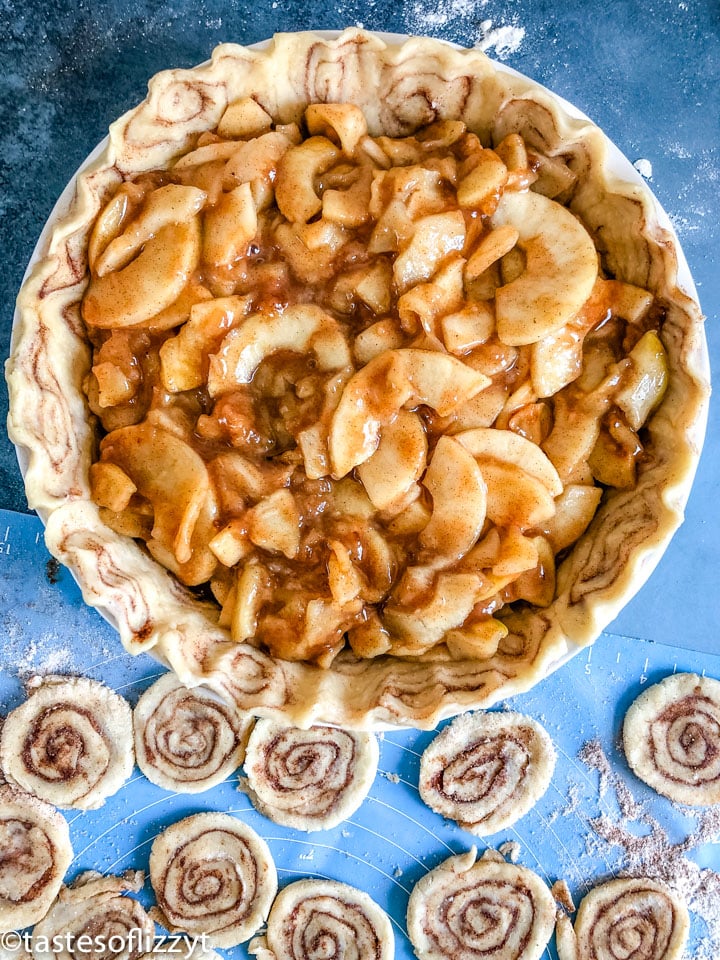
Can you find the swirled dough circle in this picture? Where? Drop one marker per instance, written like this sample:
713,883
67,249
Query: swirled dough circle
309,779
484,910
631,919
93,907
69,743
187,740
671,737
35,852
486,770
325,920
213,875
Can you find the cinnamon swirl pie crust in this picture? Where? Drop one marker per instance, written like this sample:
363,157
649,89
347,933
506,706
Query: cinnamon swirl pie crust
399,89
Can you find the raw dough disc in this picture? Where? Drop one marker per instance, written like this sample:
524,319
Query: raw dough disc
627,919
487,770
346,921
448,910
93,906
69,743
187,740
309,779
213,875
671,737
35,852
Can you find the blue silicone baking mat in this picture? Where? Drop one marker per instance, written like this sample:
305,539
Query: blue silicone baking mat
595,820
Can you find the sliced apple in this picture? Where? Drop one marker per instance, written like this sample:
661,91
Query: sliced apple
148,284
167,205
414,629
398,461
511,448
514,498
394,379
297,169
643,386
455,483
344,120
574,509
434,237
169,474
300,328
274,524
561,268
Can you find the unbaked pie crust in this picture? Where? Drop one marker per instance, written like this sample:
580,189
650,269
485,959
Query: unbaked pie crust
399,89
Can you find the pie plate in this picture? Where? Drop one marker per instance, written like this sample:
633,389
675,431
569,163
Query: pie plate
54,435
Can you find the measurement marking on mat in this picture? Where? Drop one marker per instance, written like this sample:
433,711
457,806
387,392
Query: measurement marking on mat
5,542
643,675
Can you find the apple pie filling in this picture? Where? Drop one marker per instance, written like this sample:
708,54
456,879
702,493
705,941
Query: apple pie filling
363,390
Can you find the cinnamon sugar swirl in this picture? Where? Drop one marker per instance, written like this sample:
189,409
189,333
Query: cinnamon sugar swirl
35,852
626,919
70,743
671,737
314,919
484,910
114,926
187,740
486,770
309,779
212,875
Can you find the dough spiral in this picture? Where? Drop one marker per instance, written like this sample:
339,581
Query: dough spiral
69,743
93,907
486,770
325,920
35,852
484,910
309,779
671,737
628,919
187,740
213,875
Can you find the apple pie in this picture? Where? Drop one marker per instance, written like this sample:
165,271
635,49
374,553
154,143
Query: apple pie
354,383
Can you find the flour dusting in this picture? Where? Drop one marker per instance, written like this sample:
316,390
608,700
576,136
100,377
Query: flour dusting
504,40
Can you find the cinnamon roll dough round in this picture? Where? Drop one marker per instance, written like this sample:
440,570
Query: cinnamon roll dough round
187,740
212,875
628,919
344,920
35,852
487,770
448,910
309,779
671,736
93,907
69,743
